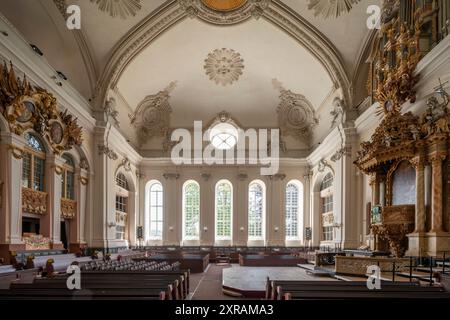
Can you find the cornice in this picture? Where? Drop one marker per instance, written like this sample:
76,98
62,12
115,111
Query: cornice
15,48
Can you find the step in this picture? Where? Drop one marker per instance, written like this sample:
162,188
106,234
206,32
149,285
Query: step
7,269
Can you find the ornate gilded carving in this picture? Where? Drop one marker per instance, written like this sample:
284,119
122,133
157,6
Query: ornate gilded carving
224,66
84,181
68,209
152,116
34,201
222,13
296,116
328,9
36,242
397,222
26,107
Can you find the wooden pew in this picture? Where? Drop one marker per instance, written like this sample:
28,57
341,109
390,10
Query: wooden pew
351,290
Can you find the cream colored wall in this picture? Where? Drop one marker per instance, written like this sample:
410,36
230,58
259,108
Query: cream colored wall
173,201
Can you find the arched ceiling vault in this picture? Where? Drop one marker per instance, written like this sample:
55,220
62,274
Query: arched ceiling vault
173,12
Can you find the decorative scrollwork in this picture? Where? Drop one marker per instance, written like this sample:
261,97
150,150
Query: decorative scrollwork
224,66
212,12
34,201
68,209
152,116
296,116
26,107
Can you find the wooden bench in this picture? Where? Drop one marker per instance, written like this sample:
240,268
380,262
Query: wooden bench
326,290
99,285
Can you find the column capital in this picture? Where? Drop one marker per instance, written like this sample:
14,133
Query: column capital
437,157
418,162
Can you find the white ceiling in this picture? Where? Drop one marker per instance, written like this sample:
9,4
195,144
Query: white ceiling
179,53
268,53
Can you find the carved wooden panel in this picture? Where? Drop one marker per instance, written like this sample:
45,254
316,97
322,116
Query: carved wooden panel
34,201
68,208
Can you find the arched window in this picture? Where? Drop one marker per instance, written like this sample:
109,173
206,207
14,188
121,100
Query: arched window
224,210
191,210
156,210
122,195
121,181
294,209
33,168
326,194
256,210
327,181
67,178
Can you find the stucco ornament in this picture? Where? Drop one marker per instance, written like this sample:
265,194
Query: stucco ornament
152,116
296,116
224,66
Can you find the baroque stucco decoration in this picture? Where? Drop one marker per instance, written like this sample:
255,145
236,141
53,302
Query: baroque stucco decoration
207,11
174,11
224,66
122,8
32,108
152,116
296,116
328,9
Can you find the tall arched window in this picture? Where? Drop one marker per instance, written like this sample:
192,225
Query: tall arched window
294,209
67,178
33,169
156,210
326,194
122,195
224,210
191,210
256,210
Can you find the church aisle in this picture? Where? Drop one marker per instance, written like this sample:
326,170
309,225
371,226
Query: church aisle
208,285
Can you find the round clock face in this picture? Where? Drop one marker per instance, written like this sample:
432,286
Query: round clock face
224,5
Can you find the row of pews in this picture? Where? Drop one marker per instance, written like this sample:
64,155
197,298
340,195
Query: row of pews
341,290
130,265
105,285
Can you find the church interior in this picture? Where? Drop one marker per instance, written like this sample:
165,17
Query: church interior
224,149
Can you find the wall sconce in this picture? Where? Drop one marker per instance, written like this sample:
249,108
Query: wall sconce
205,229
276,229
170,228
337,225
111,225
242,229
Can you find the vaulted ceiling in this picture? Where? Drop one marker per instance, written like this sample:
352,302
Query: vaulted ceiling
106,53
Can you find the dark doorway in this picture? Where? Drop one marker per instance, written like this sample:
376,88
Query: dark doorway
30,225
64,233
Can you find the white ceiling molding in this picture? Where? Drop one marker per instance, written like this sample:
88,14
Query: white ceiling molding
152,116
171,13
296,115
331,9
80,39
122,8
251,8
224,66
